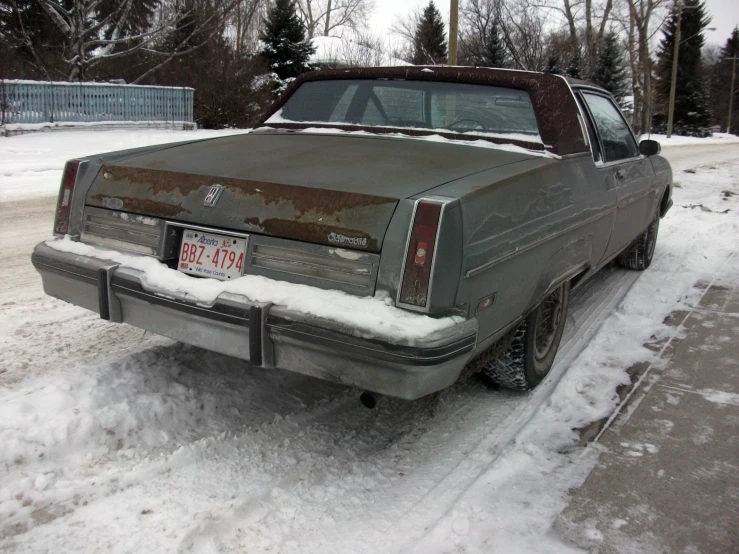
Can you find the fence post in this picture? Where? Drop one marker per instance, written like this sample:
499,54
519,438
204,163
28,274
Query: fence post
4,101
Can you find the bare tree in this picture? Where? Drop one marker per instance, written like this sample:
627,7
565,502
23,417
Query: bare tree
404,26
640,16
479,23
403,29
360,49
586,21
524,34
323,17
92,36
478,16
246,22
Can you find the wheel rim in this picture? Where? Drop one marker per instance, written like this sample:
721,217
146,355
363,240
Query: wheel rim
548,318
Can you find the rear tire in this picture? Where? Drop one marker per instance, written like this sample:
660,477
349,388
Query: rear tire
530,356
639,254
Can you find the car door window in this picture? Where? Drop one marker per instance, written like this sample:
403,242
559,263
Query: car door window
616,138
592,135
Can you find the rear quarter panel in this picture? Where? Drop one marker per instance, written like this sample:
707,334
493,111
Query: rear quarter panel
526,228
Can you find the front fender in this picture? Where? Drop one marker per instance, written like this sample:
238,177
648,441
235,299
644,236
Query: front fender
663,175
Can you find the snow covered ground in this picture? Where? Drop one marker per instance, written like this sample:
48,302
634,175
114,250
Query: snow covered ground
31,165
677,140
121,441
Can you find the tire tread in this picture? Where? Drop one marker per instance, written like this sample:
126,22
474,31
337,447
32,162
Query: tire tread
507,370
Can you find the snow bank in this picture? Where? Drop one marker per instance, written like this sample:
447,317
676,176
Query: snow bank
31,165
175,449
368,317
512,505
93,124
676,140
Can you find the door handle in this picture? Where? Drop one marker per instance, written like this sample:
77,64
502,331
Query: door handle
620,174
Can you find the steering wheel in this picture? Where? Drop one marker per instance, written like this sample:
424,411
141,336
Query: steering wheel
469,120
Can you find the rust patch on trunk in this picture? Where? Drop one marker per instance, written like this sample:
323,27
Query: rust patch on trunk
304,213
302,199
140,205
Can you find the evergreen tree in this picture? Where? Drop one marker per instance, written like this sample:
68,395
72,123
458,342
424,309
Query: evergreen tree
492,52
552,66
285,46
429,42
610,69
721,83
574,67
482,49
692,115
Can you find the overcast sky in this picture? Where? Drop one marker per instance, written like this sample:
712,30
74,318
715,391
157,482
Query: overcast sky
725,15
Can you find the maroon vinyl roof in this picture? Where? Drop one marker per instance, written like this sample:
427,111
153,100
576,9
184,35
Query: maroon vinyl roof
551,96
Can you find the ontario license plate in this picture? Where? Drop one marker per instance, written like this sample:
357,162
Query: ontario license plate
210,255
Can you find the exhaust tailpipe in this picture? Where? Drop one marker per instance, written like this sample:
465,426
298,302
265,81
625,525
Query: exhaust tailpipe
368,399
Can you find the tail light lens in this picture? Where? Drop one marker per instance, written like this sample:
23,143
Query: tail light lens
64,202
419,258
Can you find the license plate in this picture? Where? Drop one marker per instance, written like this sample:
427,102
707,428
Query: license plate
210,255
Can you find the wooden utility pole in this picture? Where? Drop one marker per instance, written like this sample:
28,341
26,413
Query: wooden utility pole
453,31
731,93
673,80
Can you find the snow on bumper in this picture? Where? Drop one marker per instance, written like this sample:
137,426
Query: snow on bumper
266,334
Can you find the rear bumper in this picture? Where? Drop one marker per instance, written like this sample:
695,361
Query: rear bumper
266,335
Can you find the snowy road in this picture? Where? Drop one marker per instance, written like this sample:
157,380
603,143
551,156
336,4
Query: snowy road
117,440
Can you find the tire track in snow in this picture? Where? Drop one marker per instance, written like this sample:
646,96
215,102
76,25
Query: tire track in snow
588,318
473,425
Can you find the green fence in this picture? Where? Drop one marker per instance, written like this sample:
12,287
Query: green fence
52,102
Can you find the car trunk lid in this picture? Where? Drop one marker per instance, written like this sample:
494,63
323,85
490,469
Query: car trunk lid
338,190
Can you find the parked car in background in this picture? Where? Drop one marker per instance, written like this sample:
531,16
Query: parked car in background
469,200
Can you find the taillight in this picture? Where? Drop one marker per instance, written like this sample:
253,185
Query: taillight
64,202
419,258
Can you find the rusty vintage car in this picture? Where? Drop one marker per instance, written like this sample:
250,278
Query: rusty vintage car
483,196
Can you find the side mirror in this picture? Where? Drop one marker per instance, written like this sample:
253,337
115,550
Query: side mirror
649,147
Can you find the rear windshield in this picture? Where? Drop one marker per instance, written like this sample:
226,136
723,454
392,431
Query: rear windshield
418,105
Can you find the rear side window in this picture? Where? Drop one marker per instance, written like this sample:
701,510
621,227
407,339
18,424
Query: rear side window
618,142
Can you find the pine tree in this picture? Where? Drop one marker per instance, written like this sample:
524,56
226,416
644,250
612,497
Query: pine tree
692,115
482,48
610,69
492,52
552,66
285,46
429,42
574,67
721,83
